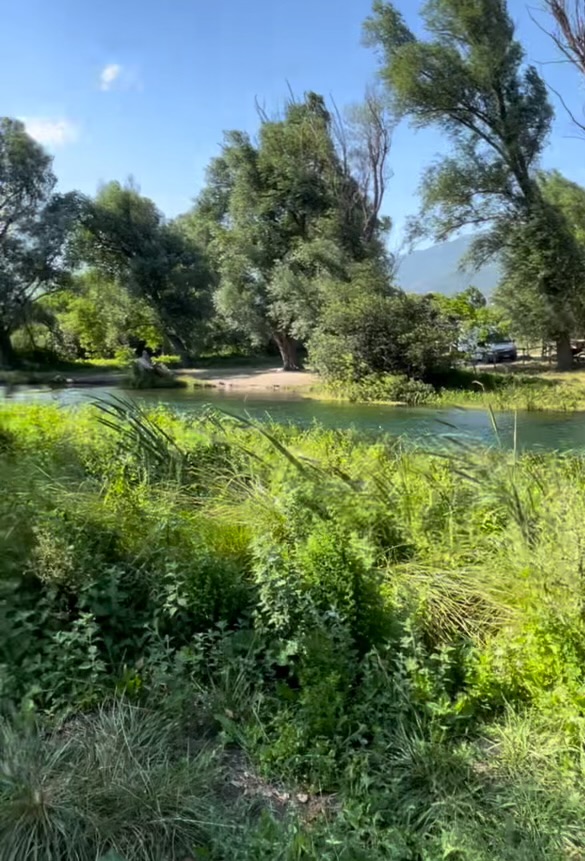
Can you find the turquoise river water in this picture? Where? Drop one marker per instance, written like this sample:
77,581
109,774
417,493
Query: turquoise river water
427,425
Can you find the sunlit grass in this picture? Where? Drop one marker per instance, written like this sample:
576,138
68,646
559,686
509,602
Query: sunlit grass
395,635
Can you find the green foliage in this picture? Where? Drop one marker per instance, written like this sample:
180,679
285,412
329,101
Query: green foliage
469,79
279,216
474,321
536,249
371,333
99,318
128,240
400,628
569,197
386,387
35,227
541,254
113,785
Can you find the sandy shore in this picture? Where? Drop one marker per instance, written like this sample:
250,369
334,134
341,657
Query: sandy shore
245,378
250,379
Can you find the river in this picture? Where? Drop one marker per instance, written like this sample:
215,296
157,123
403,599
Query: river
535,430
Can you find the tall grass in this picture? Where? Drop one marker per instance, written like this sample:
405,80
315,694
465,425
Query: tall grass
394,635
503,390
114,782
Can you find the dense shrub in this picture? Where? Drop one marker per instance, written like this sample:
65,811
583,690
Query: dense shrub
379,334
388,387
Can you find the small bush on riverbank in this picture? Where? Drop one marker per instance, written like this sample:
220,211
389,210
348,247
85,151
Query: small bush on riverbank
393,637
389,388
370,334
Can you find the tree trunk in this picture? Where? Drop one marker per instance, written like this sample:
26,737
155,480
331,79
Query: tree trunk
7,354
564,352
178,347
287,348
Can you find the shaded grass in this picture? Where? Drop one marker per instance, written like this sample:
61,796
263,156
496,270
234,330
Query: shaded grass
113,782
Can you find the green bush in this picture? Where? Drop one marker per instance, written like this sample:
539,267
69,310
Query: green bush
374,334
169,359
467,379
396,389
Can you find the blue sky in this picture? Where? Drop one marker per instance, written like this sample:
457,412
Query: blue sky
146,87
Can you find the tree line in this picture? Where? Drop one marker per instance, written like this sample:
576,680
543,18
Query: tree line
286,244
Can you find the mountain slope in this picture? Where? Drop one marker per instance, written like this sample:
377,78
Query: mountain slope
435,270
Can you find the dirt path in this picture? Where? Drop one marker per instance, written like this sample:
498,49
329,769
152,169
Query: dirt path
252,379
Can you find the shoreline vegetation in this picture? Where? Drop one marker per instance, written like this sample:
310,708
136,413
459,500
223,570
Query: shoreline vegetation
248,642
533,386
229,639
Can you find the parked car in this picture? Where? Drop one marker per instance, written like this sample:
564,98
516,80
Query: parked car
496,351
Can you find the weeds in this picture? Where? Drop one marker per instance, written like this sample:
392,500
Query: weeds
399,630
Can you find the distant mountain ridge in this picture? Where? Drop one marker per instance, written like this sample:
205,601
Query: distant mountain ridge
435,270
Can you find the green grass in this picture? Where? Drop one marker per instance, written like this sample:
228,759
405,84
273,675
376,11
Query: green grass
110,785
507,389
228,641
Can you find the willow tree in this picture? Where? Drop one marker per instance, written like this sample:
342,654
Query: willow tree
469,79
279,215
533,314
569,35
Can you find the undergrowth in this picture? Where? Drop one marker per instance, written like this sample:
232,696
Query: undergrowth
391,640
502,390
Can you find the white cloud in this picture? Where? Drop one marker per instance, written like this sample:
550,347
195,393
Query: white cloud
109,75
51,132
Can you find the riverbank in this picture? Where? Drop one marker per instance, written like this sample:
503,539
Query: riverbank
251,379
520,387
280,641
83,376
517,389
512,388
259,376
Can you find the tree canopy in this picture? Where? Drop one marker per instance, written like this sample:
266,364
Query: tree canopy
569,36
470,80
537,247
127,238
36,225
280,215
99,318
287,238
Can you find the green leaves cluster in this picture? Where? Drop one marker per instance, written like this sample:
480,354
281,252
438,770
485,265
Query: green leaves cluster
99,318
365,329
129,241
385,643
